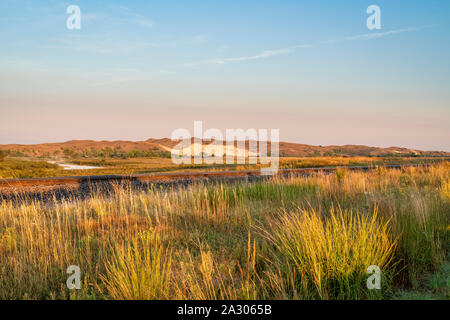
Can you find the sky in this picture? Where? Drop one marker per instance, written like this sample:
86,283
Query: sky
142,69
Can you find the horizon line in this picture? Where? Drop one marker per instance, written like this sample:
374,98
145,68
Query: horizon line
166,138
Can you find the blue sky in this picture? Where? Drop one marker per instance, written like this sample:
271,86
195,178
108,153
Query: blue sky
140,69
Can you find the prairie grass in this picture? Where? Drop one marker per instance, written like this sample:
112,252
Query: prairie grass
285,238
332,253
209,279
140,270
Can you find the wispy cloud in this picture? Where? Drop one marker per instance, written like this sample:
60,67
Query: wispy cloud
376,35
186,41
262,55
135,17
116,43
272,53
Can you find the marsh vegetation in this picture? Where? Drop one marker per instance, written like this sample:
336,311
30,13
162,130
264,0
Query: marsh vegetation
285,238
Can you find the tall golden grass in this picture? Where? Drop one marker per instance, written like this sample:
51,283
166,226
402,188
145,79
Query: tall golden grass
140,270
332,253
285,238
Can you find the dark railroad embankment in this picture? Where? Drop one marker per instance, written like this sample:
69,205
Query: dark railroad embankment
48,189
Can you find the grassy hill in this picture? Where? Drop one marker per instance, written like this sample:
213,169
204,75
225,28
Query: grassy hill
162,147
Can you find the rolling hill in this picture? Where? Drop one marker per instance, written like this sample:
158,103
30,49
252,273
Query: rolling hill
286,149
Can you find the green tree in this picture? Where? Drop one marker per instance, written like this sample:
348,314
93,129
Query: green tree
70,153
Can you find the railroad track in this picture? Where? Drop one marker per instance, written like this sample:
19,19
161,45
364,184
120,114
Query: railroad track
176,176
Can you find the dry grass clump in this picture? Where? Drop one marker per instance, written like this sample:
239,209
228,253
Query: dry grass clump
205,277
332,253
139,270
445,190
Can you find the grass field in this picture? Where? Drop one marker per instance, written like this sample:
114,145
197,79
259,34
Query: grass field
23,167
293,238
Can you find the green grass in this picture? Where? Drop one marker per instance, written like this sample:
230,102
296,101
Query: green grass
291,238
432,286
